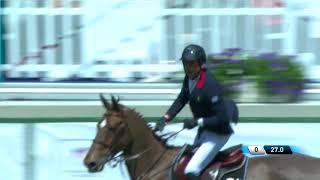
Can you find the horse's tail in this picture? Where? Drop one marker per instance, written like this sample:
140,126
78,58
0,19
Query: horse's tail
232,110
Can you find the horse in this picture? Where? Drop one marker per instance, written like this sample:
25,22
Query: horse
147,155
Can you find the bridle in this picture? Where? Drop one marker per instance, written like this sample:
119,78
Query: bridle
118,132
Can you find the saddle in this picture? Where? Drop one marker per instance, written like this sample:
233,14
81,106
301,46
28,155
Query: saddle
229,163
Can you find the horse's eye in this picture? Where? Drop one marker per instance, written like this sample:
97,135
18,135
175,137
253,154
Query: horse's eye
111,128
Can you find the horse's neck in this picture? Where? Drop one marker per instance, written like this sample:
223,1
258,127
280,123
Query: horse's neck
148,151
147,147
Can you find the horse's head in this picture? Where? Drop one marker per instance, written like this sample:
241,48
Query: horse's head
112,136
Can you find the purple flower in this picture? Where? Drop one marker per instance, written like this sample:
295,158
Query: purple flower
277,87
284,87
271,55
230,51
278,65
273,83
227,53
232,61
234,50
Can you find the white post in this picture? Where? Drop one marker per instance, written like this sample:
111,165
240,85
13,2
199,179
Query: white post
216,35
289,46
31,41
66,43
163,38
12,37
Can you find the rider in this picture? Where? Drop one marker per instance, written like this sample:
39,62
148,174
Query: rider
210,111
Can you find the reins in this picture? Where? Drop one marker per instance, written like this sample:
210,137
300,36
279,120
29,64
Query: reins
118,159
152,166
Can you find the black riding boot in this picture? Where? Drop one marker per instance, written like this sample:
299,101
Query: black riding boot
192,177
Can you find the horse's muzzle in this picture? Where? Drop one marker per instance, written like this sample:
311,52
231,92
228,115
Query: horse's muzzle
94,167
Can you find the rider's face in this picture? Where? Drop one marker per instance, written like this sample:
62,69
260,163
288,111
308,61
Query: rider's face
192,69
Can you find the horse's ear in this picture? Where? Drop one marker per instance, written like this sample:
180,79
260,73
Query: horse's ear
104,101
115,103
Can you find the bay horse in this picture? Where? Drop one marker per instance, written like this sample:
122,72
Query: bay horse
148,157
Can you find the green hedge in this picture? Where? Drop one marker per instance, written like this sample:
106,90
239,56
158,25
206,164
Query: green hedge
278,78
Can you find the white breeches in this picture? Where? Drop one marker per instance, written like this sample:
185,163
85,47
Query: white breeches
210,144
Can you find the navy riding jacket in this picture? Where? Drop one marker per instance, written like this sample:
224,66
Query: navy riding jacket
206,101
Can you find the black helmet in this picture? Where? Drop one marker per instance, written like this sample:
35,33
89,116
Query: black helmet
194,53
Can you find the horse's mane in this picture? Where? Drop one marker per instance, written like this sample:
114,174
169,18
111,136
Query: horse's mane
159,138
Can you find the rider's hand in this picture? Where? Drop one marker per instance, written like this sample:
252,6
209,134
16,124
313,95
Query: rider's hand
189,123
160,124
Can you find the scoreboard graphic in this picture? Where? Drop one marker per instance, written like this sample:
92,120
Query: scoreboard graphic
268,149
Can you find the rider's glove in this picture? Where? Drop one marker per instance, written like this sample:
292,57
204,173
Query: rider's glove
160,124
189,123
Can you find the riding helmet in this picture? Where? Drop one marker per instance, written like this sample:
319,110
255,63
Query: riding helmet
194,52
